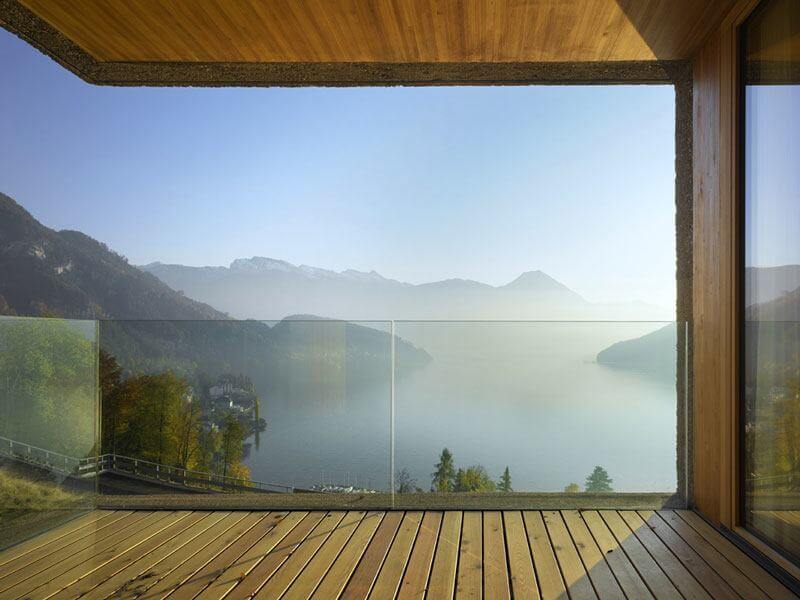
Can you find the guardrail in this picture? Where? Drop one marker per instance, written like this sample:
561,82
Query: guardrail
40,457
766,482
134,467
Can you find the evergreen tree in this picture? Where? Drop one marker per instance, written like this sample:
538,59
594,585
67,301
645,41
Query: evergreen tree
599,481
572,488
445,473
504,485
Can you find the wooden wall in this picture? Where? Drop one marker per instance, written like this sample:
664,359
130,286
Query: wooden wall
715,289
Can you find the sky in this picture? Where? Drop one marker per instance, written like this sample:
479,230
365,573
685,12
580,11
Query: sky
419,184
772,175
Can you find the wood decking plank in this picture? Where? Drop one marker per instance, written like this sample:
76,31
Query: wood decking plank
183,572
281,580
148,580
310,577
687,585
577,580
66,556
548,574
415,579
370,564
657,581
716,560
619,563
388,580
711,581
445,560
339,574
469,577
65,534
209,555
50,581
77,540
495,563
520,562
128,577
603,580
264,558
228,557
105,572
771,586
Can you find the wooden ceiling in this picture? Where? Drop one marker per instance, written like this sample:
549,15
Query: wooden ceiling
774,34
382,31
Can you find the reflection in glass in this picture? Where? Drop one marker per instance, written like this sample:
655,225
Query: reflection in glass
48,423
241,406
771,332
319,406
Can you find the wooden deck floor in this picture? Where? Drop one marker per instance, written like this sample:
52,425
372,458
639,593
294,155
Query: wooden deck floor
472,554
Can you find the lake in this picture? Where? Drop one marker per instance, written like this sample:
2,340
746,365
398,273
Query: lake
529,396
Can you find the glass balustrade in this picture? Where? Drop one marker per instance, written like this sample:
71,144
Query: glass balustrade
321,413
48,423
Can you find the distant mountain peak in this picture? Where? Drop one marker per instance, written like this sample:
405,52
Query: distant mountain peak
538,281
262,263
363,275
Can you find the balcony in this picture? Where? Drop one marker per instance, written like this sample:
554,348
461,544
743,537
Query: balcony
337,484
320,414
379,554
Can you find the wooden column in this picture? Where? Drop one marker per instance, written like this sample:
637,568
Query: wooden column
715,270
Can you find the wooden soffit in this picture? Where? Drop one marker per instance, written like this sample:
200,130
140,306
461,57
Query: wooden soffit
163,41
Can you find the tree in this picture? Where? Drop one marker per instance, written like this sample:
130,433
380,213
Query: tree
599,481
404,483
445,473
232,448
572,488
208,445
151,410
187,430
474,479
48,385
110,378
504,485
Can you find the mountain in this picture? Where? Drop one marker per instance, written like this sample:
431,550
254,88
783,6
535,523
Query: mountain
541,283
772,293
765,284
150,327
69,274
270,289
654,353
785,308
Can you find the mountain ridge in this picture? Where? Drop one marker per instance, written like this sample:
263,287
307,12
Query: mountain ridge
149,327
45,272
270,289
258,264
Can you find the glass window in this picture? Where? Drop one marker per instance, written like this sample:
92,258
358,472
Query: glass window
771,360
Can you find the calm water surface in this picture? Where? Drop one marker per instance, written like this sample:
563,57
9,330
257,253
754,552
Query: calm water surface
528,396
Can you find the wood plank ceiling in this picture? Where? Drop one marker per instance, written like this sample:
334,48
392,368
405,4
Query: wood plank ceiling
382,31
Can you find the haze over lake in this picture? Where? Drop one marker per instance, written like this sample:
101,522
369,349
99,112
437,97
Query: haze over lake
529,396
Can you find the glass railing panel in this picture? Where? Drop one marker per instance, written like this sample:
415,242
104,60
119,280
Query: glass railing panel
48,423
541,413
772,432
296,410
